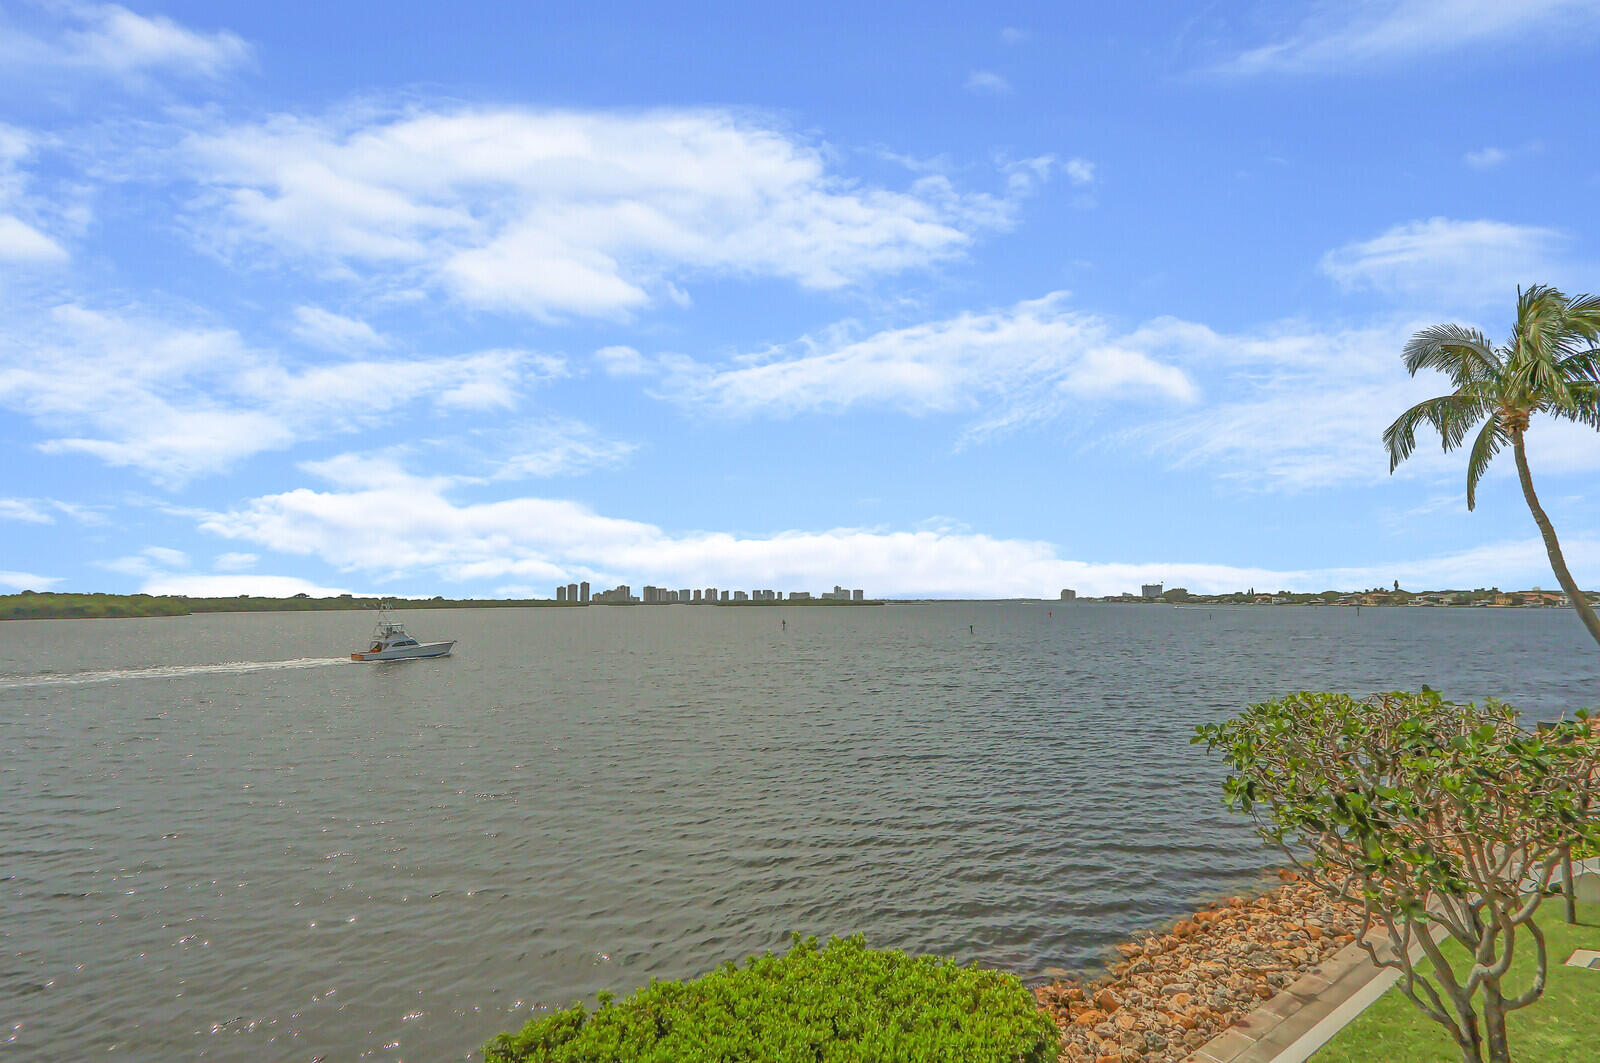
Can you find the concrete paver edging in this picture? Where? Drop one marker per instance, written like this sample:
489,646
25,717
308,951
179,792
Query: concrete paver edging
1305,1016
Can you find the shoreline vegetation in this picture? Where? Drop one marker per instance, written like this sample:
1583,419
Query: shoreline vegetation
1158,998
66,605
52,605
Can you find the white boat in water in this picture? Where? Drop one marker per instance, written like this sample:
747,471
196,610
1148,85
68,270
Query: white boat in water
391,643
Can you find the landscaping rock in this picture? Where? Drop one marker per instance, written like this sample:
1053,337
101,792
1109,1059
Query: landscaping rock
1175,991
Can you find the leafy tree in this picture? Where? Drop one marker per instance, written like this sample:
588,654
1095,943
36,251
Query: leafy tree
1549,365
1441,820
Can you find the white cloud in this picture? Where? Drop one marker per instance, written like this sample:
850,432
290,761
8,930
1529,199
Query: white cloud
234,562
1485,158
45,510
111,41
1455,263
621,361
1079,171
27,510
231,586
1010,367
987,83
1363,33
20,242
151,561
1015,35
26,581
334,332
1294,407
179,402
554,213
409,528
560,448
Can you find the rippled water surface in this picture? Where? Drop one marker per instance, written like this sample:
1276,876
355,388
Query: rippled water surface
219,840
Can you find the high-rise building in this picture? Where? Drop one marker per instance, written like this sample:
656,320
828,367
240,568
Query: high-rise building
724,595
583,592
572,592
1150,590
561,594
649,594
697,595
1068,594
711,594
683,595
857,595
740,596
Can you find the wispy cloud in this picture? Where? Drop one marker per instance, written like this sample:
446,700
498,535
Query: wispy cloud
109,40
22,241
147,562
1293,407
180,401
1079,171
334,332
1453,263
1007,367
554,213
46,510
26,581
987,83
411,529
558,447
1366,33
622,361
1485,158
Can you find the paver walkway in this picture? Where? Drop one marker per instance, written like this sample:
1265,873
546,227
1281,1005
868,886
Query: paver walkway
1304,1017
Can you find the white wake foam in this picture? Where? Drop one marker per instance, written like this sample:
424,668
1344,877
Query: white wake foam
168,671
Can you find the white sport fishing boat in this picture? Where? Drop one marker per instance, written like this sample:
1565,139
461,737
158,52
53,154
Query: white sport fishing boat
391,643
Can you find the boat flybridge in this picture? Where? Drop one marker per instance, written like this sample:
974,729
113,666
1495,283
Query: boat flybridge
391,643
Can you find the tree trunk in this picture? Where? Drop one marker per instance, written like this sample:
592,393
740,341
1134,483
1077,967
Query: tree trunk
1570,894
1494,1025
1551,546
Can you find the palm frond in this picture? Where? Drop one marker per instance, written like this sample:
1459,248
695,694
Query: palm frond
1581,365
1585,408
1452,416
1541,316
1461,353
1583,316
1490,439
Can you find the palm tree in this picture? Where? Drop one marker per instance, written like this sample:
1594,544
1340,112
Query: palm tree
1550,365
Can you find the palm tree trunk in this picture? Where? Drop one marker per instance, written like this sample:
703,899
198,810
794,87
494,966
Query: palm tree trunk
1551,546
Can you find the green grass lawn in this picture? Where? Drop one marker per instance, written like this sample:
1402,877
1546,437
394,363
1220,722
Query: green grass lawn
1563,1026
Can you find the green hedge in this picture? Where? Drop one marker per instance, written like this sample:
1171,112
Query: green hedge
842,1003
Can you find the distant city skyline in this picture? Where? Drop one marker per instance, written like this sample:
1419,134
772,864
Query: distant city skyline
937,301
622,594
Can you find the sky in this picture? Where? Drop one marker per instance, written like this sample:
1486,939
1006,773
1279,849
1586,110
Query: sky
930,299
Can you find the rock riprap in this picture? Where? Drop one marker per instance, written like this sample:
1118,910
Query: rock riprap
1173,992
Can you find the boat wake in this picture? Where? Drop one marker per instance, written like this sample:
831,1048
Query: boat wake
170,671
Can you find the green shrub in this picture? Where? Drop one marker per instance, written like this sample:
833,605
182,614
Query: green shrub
842,1003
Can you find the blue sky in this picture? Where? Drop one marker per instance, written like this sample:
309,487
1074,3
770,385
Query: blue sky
926,299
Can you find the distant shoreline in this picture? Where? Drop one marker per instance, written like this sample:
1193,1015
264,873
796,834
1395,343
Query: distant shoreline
51,605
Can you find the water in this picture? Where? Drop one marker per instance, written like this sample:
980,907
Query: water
219,841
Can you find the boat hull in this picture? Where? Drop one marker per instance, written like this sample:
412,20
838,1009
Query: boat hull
407,653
